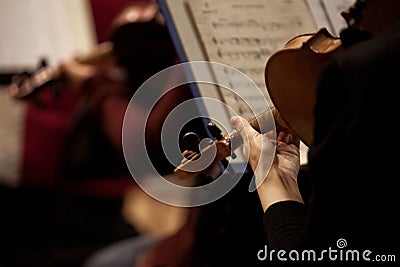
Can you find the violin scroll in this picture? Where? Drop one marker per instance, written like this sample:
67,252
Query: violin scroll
224,146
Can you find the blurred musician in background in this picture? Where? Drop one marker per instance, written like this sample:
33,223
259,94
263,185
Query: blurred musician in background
69,202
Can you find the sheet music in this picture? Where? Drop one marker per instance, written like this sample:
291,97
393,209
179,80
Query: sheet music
319,15
243,34
33,29
333,11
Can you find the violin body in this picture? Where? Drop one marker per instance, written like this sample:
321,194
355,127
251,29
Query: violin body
291,77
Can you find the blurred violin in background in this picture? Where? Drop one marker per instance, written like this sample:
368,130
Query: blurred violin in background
25,85
104,55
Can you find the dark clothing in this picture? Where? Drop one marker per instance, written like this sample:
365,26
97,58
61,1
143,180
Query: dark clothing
226,232
353,157
230,230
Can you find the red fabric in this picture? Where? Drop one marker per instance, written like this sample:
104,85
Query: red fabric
45,135
107,188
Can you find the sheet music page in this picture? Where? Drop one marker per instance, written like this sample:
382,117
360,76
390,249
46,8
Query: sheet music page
35,29
243,34
319,14
333,11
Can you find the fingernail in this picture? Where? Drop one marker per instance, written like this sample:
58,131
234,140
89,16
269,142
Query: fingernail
288,138
234,121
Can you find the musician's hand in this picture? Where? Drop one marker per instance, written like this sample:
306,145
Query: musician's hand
75,73
279,180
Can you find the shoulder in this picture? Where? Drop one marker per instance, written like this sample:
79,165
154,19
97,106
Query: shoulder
372,53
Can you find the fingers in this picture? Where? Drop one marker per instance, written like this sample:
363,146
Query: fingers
252,140
188,154
242,126
285,135
76,73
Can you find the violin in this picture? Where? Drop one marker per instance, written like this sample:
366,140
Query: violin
291,76
292,73
24,86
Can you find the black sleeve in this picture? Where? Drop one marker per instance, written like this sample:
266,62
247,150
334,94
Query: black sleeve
284,224
284,221
284,227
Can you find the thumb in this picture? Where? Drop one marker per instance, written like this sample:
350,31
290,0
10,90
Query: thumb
242,126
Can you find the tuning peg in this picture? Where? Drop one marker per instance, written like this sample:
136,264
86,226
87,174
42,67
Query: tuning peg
191,141
214,130
43,63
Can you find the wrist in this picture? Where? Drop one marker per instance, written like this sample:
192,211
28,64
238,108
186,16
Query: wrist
277,187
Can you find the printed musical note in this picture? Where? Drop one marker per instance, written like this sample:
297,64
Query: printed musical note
244,34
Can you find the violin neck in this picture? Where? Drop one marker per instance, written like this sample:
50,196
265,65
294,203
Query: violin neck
98,55
265,122
46,75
